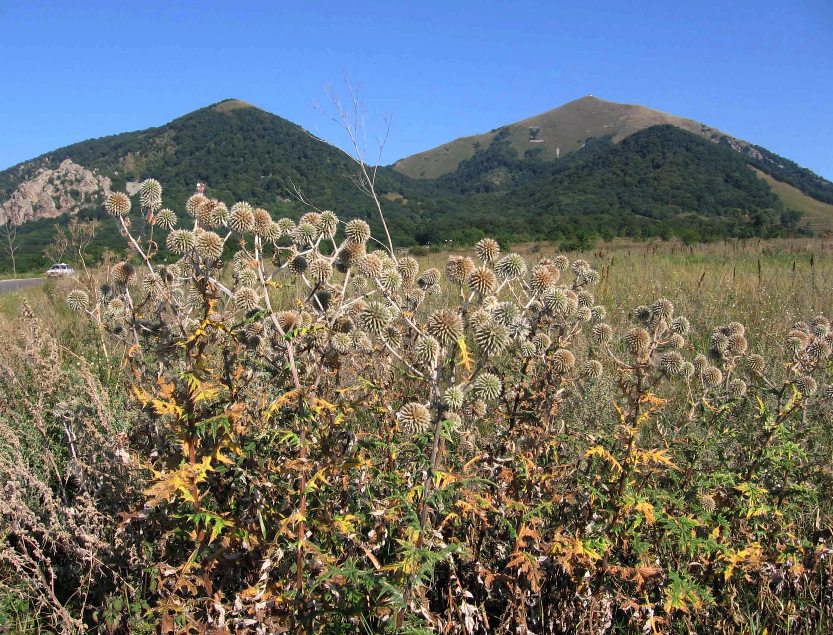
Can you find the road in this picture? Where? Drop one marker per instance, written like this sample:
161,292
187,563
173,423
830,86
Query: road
13,285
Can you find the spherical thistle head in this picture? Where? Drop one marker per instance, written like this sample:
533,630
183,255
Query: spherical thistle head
527,349
592,369
672,364
797,340
180,241
341,343
719,342
304,234
375,317
327,224
194,202
479,408
707,502
209,246
414,418
555,300
415,297
446,325
505,312
482,281
319,270
369,265
453,397
152,285
487,387
541,341
78,300
166,219
820,326
579,266
205,213
737,388
361,341
680,325
241,218
246,299
637,341
818,350
288,320
219,214
492,338
585,298
427,350
123,273
349,255
662,310
735,328
676,341
561,262
298,264
584,314
563,361
542,277
591,276
806,385
247,277
700,362
408,268
117,204
261,220
510,267
390,280
711,376
458,268
642,314
357,231
737,344
429,278
487,250
756,363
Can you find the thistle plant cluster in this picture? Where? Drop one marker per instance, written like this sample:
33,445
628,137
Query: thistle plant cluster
336,439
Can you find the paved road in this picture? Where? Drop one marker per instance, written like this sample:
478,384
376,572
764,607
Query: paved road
14,285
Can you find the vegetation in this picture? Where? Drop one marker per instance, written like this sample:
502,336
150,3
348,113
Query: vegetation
292,429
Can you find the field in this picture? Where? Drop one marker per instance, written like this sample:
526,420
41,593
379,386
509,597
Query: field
307,437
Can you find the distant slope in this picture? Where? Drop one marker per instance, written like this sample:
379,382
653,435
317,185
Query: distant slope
817,215
562,130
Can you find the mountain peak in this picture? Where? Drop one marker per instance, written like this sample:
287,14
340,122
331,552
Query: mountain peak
228,105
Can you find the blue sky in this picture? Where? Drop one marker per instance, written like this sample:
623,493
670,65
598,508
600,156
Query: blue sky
762,70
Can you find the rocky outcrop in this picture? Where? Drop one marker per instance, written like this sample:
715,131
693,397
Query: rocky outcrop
68,188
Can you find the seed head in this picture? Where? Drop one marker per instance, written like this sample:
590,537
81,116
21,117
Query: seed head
194,202
543,277
246,299
487,387
700,362
561,262
166,219
637,341
123,273
511,266
408,268
735,328
414,418
327,224
458,268
320,270
298,264
541,341
680,325
756,363
662,310
563,361
117,204
304,234
479,408
241,217
671,363
711,376
357,231
592,369
446,325
375,317
390,280
453,397
341,343
370,265
487,250
261,220
427,350
208,246
806,385
737,344
492,338
737,388
429,278
78,300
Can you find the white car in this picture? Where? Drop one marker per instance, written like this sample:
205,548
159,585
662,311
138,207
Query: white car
59,270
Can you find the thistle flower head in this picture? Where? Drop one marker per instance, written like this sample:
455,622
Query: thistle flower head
408,268
298,264
78,300
482,281
510,267
390,280
711,376
735,328
541,341
542,277
414,418
555,300
446,325
194,202
592,369
180,241
585,298
246,299
357,231
487,250
492,338
261,221
806,385
662,310
319,270
123,273
563,361
756,363
680,325
370,265
327,224
375,317
304,234
736,344
208,246
505,313
341,343
429,278
527,348
737,388
117,204
458,268
166,219
672,363
427,350
453,397
241,217
487,387
561,262
637,341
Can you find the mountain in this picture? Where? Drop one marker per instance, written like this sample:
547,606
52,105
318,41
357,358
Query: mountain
589,168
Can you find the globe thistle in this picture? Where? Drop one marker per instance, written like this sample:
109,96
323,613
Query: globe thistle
737,388
246,299
719,342
482,281
361,342
599,312
737,344
563,361
304,234
818,350
390,280
756,363
369,265
585,298
492,338
415,296
180,241
194,202
688,370
208,246
487,250
672,363
261,220
700,362
592,369
78,300
543,277
117,204
123,273
711,376
511,266
561,262
453,397
828,392
642,314
320,270
526,348
414,418
241,217
479,408
591,276
820,326
680,326
457,268
797,340
357,231
584,314
541,341
735,328
408,268
487,387
375,317
298,264
505,312
429,278
637,341
446,325
116,307
152,285
327,224
341,343
806,385
166,219
313,218
707,502
427,350
662,310
349,256
273,233
219,214
555,300
247,277
675,341
205,212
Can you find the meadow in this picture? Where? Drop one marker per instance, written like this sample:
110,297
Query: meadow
295,429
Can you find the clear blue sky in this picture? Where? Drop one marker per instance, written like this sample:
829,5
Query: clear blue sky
762,70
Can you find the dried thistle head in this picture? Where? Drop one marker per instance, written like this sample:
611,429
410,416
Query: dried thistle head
357,231
117,204
208,245
180,241
78,300
241,217
563,361
166,219
414,418
487,386
487,250
446,325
